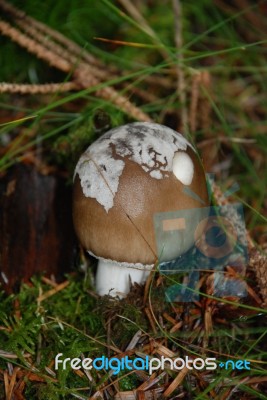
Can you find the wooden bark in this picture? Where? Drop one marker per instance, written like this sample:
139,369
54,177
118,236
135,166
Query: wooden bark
36,233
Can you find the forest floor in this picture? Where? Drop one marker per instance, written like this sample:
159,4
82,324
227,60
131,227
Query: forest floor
68,75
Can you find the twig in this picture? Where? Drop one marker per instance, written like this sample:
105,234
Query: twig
25,88
84,74
47,31
32,46
74,59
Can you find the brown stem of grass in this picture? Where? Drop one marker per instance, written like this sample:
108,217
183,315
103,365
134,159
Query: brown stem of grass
54,54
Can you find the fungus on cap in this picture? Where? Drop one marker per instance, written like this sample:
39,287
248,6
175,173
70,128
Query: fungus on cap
120,182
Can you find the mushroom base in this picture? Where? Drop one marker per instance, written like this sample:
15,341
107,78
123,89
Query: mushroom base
114,278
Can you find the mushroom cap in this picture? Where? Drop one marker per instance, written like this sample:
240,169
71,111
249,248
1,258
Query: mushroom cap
125,178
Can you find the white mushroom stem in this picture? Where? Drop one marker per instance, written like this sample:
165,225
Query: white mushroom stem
114,278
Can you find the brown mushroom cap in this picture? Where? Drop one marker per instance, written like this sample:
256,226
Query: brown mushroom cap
125,232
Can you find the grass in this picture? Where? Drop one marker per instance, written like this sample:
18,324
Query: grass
35,327
223,64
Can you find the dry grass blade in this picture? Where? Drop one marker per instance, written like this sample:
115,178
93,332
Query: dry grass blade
176,327
153,380
12,383
127,395
98,395
208,321
53,291
164,351
138,395
134,341
151,320
7,354
176,382
6,383
169,318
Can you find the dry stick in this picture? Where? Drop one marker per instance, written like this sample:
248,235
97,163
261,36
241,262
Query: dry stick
37,89
258,260
59,50
80,73
31,26
144,94
73,53
39,30
181,89
56,49
121,102
33,47
162,81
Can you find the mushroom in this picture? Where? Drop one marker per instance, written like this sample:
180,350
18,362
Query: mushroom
121,181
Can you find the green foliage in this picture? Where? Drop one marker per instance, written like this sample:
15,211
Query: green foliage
127,381
67,148
70,322
38,331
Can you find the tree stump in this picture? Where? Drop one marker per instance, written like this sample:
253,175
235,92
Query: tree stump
36,231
